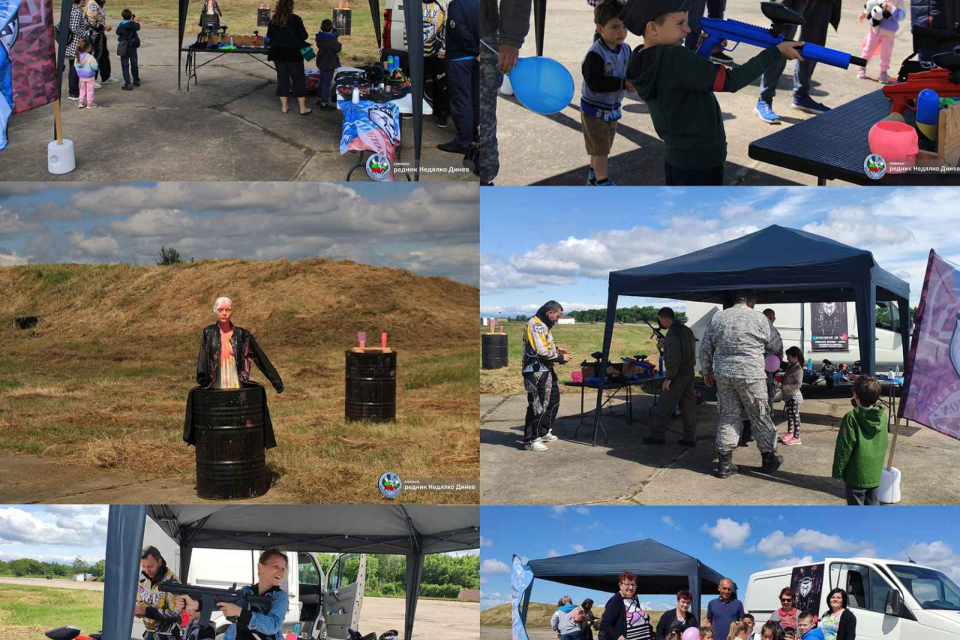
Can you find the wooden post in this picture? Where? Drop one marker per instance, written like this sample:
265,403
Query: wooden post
57,124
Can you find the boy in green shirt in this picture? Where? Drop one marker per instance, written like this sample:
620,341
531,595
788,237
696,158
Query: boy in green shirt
862,444
678,86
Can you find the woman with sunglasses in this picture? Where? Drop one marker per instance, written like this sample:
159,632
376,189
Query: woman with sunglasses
839,624
623,617
786,615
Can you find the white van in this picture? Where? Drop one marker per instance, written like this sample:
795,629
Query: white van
323,604
836,323
892,599
394,32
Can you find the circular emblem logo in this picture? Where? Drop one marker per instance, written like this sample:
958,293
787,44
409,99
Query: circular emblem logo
875,166
390,485
378,167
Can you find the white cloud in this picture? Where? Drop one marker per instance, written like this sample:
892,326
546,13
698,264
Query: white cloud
492,565
789,562
553,553
20,526
780,544
727,533
484,580
579,548
485,542
12,259
938,555
667,520
11,223
494,599
556,512
582,511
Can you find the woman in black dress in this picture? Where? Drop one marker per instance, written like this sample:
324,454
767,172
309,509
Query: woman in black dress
286,36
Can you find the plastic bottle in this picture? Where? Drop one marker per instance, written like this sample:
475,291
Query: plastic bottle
660,365
809,364
296,629
356,94
231,41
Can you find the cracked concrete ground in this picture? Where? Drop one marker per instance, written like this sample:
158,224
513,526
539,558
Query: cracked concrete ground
623,470
228,127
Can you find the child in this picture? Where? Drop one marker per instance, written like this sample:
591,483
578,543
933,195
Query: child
603,88
805,627
738,631
750,621
706,633
768,631
789,634
674,635
87,72
792,398
127,44
862,444
328,46
678,85
881,37
193,631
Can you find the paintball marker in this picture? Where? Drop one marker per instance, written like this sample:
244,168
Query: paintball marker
208,597
735,31
657,334
945,81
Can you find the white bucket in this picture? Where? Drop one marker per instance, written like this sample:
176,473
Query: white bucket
505,87
890,486
60,157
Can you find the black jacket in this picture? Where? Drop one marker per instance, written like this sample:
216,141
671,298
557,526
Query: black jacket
504,22
669,620
328,46
847,629
613,624
292,35
679,351
463,29
127,37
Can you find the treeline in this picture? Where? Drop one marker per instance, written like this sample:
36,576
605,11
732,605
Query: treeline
628,315
443,576
30,568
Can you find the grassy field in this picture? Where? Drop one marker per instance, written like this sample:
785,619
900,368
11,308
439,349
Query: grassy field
579,339
27,612
359,49
538,615
102,381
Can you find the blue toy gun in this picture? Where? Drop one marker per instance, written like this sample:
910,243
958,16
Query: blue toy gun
734,31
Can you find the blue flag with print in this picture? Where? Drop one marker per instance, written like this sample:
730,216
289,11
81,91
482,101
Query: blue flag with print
521,583
9,27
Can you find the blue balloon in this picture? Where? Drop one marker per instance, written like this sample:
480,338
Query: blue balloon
542,85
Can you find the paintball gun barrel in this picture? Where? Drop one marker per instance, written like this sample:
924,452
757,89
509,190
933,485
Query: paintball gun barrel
735,31
659,335
208,597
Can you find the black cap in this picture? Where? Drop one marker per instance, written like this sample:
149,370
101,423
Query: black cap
637,13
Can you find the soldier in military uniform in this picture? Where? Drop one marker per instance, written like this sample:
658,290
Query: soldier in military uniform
503,26
156,608
746,436
731,355
679,358
540,354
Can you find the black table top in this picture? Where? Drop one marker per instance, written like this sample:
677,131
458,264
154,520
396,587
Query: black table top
608,384
834,145
239,49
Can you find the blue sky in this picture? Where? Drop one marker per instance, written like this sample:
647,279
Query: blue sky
429,229
735,541
544,243
53,533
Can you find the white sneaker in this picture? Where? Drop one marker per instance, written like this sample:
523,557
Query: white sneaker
97,85
549,437
111,81
536,445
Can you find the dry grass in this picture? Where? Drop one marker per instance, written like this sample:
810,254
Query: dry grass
580,340
102,380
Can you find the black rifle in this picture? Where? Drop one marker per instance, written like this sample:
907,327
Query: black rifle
658,334
208,597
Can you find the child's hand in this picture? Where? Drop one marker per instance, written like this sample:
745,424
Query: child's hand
629,87
863,15
790,50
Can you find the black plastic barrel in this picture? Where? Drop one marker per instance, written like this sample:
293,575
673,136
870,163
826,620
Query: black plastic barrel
231,462
493,351
371,391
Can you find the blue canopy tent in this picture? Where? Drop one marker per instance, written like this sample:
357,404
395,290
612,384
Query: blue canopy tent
659,569
782,265
410,530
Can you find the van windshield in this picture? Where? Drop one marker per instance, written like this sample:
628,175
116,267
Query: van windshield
932,589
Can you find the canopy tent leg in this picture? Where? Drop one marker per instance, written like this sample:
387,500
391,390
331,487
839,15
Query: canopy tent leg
413,15
866,298
607,339
539,22
414,575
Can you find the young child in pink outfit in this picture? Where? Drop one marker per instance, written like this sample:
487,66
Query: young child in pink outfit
86,66
880,38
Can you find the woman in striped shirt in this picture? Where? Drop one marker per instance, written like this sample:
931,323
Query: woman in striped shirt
623,617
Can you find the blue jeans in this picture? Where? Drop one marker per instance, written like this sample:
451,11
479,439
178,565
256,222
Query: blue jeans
129,64
323,89
817,14
693,19
573,635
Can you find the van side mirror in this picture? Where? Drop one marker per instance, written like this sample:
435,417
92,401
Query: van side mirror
894,604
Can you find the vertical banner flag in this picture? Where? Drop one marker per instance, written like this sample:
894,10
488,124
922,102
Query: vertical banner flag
932,380
28,74
829,326
521,582
807,583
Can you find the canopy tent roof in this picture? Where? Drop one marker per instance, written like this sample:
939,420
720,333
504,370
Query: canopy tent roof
391,529
413,21
783,265
660,569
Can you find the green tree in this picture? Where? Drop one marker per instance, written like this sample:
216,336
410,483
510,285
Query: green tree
169,256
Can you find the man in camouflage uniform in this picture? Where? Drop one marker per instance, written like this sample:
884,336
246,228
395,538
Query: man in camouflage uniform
540,354
731,355
155,607
746,436
503,26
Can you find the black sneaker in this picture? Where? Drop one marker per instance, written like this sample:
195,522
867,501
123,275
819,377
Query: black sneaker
442,121
721,58
452,147
136,83
127,87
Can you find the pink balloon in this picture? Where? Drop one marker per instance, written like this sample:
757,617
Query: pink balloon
772,364
692,633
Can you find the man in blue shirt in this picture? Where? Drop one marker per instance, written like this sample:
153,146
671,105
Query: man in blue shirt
724,611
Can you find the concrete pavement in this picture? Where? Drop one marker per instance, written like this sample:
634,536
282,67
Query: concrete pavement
229,127
626,471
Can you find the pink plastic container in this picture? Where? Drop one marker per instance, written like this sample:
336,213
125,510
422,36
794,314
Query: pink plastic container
894,141
576,376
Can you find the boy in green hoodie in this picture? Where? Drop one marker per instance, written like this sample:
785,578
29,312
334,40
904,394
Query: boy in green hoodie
862,444
678,86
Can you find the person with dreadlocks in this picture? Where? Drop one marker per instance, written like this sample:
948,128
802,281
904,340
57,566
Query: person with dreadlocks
540,354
